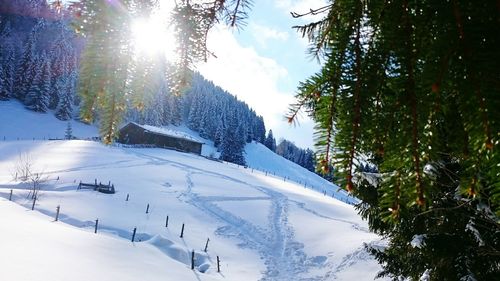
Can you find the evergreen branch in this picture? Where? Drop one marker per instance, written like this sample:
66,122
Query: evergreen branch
312,11
472,74
410,88
357,105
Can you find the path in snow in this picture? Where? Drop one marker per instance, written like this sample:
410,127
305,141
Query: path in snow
284,257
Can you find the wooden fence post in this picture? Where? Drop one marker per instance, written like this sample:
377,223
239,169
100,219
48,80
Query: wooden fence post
147,209
166,222
206,245
96,224
57,212
218,264
192,260
126,199
182,231
34,201
133,234
10,196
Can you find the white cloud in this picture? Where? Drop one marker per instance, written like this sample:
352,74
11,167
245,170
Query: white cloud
263,34
253,79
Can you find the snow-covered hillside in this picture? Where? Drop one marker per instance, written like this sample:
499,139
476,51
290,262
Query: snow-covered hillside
260,157
260,226
17,123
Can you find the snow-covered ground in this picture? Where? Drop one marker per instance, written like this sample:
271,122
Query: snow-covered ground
261,226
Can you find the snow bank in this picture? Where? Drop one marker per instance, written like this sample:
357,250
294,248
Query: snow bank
34,247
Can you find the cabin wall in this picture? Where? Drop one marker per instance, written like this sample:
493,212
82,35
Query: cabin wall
132,134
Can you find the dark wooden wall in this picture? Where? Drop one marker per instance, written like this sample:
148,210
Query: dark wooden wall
134,134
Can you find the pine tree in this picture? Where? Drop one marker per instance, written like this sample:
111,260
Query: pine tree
59,69
233,142
270,142
37,98
219,132
45,78
33,98
411,85
309,160
4,95
7,62
105,62
260,130
193,120
25,71
176,109
68,133
65,107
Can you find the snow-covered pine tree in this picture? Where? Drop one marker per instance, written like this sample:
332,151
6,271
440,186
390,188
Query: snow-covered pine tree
233,142
65,93
153,113
38,96
219,132
4,95
32,99
270,142
46,78
193,121
309,160
59,70
167,111
68,133
7,62
260,130
9,66
176,109
25,72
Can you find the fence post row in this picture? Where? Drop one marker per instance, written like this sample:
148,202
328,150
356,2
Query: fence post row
206,245
34,201
192,259
133,234
57,212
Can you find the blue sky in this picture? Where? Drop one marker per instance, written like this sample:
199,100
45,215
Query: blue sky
263,63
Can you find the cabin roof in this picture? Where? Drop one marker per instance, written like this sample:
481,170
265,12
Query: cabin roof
165,132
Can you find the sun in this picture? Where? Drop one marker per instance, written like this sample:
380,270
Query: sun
152,37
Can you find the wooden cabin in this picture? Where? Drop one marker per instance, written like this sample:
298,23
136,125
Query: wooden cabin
134,133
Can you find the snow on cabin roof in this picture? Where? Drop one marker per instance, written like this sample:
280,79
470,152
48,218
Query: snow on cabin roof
169,132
